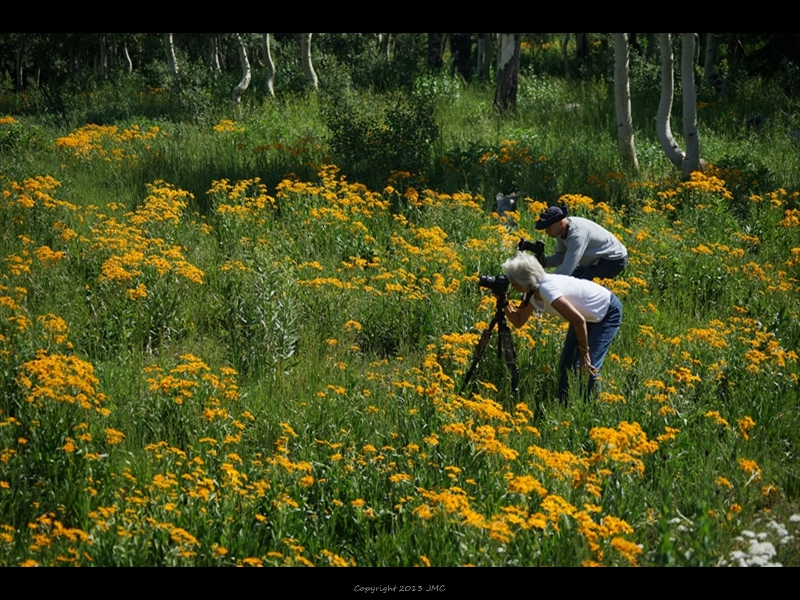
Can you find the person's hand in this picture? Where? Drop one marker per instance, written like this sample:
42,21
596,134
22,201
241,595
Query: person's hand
586,364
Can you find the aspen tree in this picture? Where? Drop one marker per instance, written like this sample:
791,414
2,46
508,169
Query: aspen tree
622,93
484,56
241,88
214,55
270,85
169,45
507,71
305,59
663,128
128,61
690,135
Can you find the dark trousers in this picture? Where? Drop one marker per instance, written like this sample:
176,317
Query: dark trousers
603,269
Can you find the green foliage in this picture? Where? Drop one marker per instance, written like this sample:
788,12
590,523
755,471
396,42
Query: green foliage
645,75
369,140
513,165
439,86
358,58
260,320
746,174
19,140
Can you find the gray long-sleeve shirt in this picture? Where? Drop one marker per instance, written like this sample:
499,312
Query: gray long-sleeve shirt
586,243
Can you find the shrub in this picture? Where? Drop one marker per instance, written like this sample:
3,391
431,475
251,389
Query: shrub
371,138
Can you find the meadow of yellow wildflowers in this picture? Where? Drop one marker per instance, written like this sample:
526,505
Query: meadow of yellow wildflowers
254,370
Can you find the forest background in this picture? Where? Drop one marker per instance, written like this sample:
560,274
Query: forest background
239,294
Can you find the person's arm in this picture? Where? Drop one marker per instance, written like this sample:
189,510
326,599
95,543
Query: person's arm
518,316
578,324
577,240
557,257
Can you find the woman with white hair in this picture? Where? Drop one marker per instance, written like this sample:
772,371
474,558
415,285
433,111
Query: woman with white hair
593,312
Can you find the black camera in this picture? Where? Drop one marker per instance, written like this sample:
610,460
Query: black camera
497,283
536,247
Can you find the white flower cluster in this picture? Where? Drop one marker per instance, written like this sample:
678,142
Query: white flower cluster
759,554
760,550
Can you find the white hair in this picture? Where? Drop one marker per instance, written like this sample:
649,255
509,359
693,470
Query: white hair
525,270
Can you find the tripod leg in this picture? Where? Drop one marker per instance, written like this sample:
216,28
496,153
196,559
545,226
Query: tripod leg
510,356
476,357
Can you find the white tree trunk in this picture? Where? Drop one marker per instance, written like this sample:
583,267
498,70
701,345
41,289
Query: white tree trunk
714,78
622,93
391,44
383,44
690,136
20,55
507,71
128,61
484,56
270,86
103,58
213,55
246,72
305,59
663,128
171,61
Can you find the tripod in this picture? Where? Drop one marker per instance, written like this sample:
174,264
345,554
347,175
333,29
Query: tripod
506,346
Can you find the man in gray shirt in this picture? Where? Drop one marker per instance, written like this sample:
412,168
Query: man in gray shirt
583,248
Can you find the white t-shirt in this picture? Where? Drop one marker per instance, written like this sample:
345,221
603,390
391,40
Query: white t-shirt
588,298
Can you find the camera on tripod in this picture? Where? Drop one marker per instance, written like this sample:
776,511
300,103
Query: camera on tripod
497,283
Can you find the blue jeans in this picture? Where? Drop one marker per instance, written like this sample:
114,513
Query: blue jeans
600,336
604,269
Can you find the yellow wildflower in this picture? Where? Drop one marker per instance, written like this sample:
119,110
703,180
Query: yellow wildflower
745,425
